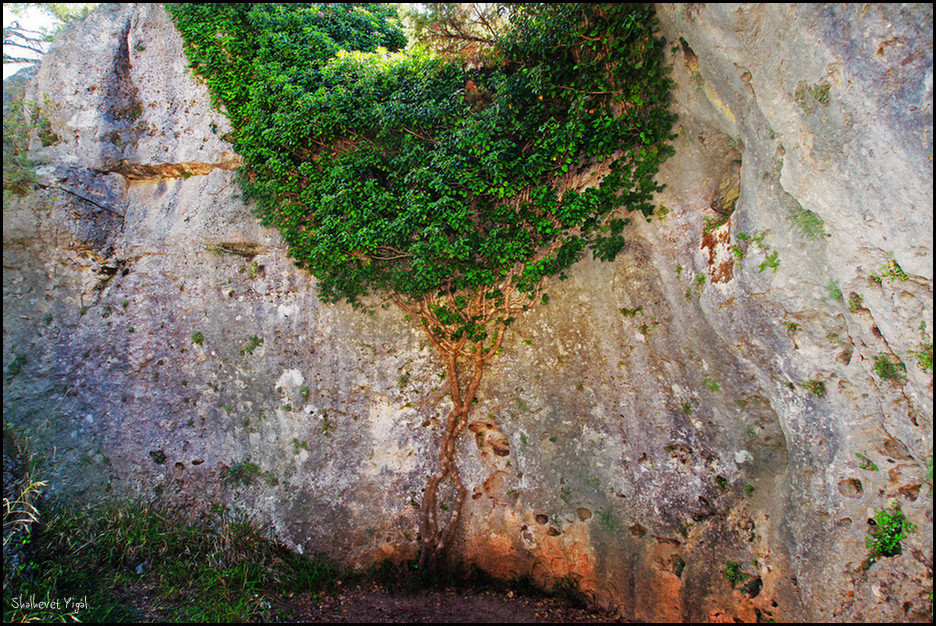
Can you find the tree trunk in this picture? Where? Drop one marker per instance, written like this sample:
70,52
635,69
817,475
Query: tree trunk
435,540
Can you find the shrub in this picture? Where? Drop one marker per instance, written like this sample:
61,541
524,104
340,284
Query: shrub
889,527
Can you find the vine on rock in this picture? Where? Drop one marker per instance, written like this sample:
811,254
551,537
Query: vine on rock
451,184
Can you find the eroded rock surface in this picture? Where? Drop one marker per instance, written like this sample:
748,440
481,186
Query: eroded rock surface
698,431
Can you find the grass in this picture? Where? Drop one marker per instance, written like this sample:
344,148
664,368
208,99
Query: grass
134,562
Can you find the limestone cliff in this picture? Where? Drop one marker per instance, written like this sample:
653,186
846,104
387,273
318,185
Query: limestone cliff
740,387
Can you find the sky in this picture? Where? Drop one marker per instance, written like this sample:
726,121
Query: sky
32,19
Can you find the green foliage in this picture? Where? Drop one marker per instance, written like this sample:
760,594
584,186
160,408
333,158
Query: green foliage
198,338
415,174
891,270
890,527
299,445
18,174
606,517
711,224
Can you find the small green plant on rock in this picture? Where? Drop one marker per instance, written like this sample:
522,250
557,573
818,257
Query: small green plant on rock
711,383
808,223
887,369
252,343
299,445
811,96
815,385
889,527
865,463
924,356
733,572
607,520
198,338
16,364
242,473
772,261
854,302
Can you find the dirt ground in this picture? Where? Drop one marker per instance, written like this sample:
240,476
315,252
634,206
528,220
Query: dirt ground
373,604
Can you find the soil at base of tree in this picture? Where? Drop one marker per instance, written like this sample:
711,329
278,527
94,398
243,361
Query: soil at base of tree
374,604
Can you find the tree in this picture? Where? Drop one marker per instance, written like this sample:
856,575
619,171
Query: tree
29,46
449,187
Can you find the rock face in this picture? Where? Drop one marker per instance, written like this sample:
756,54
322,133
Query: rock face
699,431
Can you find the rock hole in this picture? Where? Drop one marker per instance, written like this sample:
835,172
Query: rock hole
692,61
677,565
896,449
850,487
637,530
753,588
910,492
541,519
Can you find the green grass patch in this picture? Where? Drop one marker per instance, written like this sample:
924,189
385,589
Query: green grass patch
147,562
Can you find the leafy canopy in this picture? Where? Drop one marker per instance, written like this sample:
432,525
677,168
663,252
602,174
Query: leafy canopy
413,173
